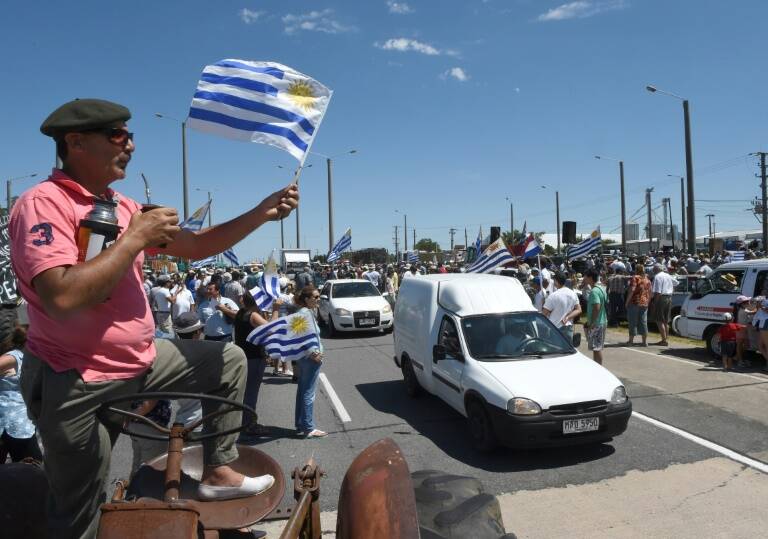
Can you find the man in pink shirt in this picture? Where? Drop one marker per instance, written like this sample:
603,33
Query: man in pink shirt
91,328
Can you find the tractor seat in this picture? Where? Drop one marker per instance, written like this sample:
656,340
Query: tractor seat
149,480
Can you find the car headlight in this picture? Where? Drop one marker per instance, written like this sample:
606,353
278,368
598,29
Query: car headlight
342,312
386,309
521,406
619,395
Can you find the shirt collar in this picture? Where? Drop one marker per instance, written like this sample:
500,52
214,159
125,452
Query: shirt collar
59,177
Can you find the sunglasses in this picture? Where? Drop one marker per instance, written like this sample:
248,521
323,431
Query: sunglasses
115,135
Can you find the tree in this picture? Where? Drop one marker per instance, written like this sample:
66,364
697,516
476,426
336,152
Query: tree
426,244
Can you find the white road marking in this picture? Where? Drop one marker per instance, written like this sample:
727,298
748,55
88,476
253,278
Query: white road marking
335,400
730,453
694,363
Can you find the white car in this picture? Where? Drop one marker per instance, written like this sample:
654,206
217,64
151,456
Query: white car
476,342
354,305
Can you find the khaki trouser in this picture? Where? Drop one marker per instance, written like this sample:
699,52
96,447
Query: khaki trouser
78,444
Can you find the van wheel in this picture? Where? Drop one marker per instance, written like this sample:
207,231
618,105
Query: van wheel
412,387
712,338
480,427
456,506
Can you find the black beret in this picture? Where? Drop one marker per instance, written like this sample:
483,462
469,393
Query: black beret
82,115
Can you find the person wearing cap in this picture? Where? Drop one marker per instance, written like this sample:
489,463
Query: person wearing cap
91,328
662,288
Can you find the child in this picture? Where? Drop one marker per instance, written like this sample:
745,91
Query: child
728,336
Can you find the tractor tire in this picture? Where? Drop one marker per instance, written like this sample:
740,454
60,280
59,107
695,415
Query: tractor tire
7,321
452,506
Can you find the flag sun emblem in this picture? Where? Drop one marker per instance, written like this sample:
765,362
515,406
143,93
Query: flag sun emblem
302,93
299,325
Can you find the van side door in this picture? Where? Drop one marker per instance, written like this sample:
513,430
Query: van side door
447,372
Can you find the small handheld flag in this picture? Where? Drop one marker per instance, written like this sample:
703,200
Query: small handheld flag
197,264
269,289
344,243
263,102
585,247
195,221
531,247
230,255
413,257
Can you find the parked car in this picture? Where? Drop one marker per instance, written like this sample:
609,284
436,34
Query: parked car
704,310
685,285
477,343
353,305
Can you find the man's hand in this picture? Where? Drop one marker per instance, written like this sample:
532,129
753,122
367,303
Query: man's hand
154,228
280,203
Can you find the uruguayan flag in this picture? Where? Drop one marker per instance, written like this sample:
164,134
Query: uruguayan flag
196,220
344,243
268,289
585,247
478,243
262,102
291,337
197,264
495,255
230,255
413,257
736,256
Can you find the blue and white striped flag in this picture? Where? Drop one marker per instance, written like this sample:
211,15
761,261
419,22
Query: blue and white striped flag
269,289
736,256
263,102
413,257
344,243
495,255
290,337
585,247
478,242
197,264
230,255
196,220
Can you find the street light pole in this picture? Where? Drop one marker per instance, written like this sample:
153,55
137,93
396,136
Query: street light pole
623,202
511,218
688,167
185,184
557,211
8,183
330,204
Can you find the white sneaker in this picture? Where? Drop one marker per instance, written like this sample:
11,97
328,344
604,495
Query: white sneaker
251,486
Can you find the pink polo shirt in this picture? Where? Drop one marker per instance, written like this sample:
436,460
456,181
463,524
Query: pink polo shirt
108,341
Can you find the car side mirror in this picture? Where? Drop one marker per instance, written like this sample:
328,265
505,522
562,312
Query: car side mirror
576,340
438,353
323,296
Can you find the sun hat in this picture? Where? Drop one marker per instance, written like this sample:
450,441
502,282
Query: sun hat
187,323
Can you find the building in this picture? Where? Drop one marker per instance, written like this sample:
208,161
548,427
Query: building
633,231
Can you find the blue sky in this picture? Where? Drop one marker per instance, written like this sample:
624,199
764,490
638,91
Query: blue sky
452,106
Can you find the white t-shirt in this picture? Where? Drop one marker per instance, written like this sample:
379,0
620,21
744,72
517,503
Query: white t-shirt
560,303
539,298
664,284
546,274
184,302
216,324
161,296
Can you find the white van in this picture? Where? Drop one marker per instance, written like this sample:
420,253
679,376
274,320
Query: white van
703,312
476,342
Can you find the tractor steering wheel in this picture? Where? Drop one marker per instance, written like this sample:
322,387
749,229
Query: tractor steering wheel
189,436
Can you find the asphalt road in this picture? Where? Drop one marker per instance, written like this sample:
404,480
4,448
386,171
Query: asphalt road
649,482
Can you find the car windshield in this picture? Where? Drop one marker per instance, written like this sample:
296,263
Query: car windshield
354,290
501,337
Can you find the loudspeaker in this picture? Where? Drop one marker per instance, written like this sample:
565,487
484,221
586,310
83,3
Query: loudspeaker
569,231
495,233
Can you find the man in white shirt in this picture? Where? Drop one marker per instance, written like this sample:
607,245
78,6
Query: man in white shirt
705,270
185,301
218,314
562,307
163,298
540,293
661,300
234,289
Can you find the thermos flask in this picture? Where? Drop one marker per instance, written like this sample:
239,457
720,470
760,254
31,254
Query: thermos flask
97,230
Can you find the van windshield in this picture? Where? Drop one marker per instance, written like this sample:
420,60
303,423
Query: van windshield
721,282
502,337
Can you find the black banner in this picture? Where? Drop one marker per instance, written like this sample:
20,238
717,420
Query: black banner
8,293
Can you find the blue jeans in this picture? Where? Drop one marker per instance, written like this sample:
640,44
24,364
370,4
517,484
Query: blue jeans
309,370
637,317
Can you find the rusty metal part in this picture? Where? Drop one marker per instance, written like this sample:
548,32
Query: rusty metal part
305,519
23,491
281,512
173,467
222,514
149,519
376,500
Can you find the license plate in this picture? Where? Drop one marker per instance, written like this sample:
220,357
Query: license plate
367,321
585,424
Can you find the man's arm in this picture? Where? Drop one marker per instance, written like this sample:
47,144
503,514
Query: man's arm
574,314
218,238
66,289
226,309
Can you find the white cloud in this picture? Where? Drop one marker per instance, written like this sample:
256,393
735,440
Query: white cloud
457,73
399,8
315,21
403,44
581,9
248,16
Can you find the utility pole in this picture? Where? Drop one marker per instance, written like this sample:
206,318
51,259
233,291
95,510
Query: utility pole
623,211
648,205
671,226
405,232
557,211
764,193
689,173
452,231
665,218
710,216
682,210
397,245
330,205
414,239
511,218
466,240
